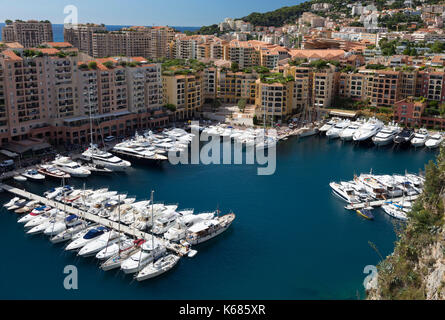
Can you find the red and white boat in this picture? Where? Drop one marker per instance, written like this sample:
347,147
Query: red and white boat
53,172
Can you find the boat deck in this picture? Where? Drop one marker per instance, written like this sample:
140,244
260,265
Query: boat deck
378,203
177,248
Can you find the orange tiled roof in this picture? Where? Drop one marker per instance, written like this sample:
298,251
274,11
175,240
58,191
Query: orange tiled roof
11,55
317,53
13,45
49,51
60,44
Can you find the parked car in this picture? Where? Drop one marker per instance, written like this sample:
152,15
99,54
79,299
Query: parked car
7,163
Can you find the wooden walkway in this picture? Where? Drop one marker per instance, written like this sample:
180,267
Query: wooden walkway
177,248
378,203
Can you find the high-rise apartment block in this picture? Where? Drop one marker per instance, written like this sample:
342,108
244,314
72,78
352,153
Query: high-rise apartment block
29,33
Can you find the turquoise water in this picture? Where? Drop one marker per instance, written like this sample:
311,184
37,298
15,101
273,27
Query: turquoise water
292,238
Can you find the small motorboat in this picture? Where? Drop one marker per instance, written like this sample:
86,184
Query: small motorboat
11,202
366,213
434,141
404,137
53,172
20,178
33,174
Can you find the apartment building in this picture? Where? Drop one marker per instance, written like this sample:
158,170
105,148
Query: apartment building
243,53
160,38
303,77
81,35
4,132
384,87
323,86
51,96
96,41
185,47
234,86
274,100
185,92
210,81
131,42
145,87
353,86
29,33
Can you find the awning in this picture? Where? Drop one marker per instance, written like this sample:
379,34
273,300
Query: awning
41,146
9,153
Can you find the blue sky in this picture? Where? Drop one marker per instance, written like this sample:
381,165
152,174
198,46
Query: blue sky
139,12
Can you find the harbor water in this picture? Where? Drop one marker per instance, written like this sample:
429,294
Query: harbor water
292,238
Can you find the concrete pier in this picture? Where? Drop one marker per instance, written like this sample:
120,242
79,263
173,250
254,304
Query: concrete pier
177,248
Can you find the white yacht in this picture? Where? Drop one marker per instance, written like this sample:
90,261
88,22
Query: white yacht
105,159
122,255
372,186
345,192
68,233
308,130
334,132
33,174
133,150
114,248
34,214
434,141
386,135
420,138
88,237
158,267
179,230
151,250
101,242
347,133
328,125
47,224
42,218
208,229
367,130
394,210
67,165
55,227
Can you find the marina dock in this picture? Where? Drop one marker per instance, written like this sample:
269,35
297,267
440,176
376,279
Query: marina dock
177,248
378,203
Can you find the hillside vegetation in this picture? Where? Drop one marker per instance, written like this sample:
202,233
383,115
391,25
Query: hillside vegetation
289,15
416,269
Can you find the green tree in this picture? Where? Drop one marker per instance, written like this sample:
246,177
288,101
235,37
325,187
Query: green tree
234,67
242,104
92,65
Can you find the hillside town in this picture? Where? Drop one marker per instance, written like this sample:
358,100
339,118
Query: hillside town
385,60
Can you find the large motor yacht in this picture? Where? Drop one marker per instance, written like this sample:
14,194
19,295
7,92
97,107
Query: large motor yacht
105,159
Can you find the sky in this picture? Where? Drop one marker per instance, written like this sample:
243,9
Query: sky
139,12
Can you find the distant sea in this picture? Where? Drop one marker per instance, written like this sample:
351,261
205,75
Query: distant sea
58,30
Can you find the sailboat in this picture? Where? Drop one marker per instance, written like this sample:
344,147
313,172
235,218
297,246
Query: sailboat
309,129
102,158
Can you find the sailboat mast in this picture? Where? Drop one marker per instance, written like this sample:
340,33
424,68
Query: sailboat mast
152,236
91,121
119,210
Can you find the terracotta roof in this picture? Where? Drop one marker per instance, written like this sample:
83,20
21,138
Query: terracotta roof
13,45
11,55
48,51
317,53
59,44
